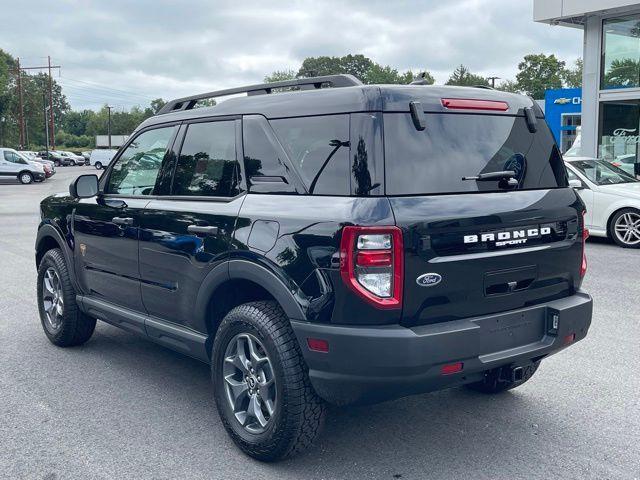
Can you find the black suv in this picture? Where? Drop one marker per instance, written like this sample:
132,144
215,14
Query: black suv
348,244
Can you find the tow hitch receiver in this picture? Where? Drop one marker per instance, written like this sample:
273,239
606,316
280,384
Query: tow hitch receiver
517,374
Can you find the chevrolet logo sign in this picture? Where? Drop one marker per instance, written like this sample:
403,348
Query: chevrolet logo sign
562,101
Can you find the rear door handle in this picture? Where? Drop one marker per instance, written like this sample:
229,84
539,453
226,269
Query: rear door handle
202,230
122,220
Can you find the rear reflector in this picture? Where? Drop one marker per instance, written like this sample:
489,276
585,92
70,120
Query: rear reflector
585,235
569,339
451,368
472,104
318,345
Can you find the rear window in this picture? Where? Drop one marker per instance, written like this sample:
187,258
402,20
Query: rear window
463,145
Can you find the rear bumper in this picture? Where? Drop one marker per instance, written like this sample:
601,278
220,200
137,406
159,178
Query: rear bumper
371,364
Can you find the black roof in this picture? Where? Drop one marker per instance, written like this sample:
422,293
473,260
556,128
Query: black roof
347,99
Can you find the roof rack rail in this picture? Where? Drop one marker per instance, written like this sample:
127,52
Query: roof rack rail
336,81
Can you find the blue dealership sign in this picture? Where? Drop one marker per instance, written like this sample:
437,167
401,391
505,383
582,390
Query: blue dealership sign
558,103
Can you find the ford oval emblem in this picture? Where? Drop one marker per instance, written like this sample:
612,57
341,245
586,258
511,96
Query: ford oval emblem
429,279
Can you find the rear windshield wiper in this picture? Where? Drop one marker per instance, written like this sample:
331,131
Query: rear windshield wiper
506,178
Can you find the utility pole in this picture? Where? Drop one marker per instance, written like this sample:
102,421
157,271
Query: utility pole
493,81
21,105
46,128
53,133
47,67
109,125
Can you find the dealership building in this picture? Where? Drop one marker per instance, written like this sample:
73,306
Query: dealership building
609,101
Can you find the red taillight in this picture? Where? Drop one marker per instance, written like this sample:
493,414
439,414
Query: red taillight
585,235
451,368
372,264
473,104
318,345
616,164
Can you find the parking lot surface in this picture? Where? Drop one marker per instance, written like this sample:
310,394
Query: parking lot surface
123,407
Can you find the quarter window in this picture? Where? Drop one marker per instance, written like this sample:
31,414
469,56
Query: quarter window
136,170
319,150
207,163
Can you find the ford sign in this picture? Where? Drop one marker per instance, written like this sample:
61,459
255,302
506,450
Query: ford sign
429,279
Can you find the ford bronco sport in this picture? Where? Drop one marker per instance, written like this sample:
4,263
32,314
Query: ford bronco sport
349,245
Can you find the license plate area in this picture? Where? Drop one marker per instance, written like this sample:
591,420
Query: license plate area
510,330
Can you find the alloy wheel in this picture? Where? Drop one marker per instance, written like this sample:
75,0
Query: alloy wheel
249,382
627,228
25,178
52,299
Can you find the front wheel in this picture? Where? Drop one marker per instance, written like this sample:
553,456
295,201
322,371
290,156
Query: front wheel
25,178
63,322
261,384
98,165
624,228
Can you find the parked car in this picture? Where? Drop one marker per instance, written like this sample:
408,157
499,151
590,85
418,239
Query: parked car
612,197
73,158
55,157
12,164
425,239
101,157
49,166
628,163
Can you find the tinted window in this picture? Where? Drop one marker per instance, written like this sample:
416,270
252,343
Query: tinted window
264,162
207,163
319,149
13,157
460,145
136,170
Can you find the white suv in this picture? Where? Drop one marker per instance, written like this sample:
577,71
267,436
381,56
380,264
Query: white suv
12,164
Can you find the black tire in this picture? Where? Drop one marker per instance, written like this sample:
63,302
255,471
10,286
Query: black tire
617,228
25,178
98,165
298,412
497,380
72,163
75,327
57,163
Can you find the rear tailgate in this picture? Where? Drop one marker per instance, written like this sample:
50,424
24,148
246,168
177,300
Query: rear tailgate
476,254
477,242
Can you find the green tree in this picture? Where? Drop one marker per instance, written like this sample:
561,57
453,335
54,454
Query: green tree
538,73
573,76
508,86
157,104
280,75
356,65
461,76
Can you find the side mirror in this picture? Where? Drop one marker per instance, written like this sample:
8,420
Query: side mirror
85,186
575,183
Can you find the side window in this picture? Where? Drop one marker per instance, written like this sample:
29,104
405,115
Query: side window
136,170
319,150
13,157
265,168
207,163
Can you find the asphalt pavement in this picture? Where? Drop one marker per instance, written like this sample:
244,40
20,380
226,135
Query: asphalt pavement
122,407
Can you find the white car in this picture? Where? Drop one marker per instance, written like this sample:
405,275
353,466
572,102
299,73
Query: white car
101,157
612,197
12,164
75,159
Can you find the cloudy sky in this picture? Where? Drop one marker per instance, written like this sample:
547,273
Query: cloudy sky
129,52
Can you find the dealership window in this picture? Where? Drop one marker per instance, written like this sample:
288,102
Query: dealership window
619,134
569,130
621,53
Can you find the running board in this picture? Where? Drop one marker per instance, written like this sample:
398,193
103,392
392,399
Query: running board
175,337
